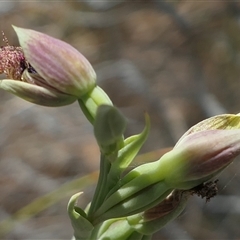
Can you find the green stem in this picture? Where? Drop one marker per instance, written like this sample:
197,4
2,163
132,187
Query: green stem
91,101
102,186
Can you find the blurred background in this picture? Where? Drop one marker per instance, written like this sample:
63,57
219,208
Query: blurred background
177,60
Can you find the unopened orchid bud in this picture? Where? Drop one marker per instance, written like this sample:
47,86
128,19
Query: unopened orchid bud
45,70
59,64
201,154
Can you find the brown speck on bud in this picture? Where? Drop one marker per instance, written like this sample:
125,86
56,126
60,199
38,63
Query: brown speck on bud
206,190
12,60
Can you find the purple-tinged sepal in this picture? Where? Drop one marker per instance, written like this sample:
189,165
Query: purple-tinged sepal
203,151
37,94
57,62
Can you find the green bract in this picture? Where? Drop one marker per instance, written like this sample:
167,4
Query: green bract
109,126
82,227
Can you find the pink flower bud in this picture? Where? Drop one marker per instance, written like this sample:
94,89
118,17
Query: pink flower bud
45,70
58,63
201,154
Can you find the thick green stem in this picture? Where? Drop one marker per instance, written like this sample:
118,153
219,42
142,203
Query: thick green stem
90,102
102,188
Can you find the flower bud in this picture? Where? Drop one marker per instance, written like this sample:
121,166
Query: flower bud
59,64
202,152
47,71
200,156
